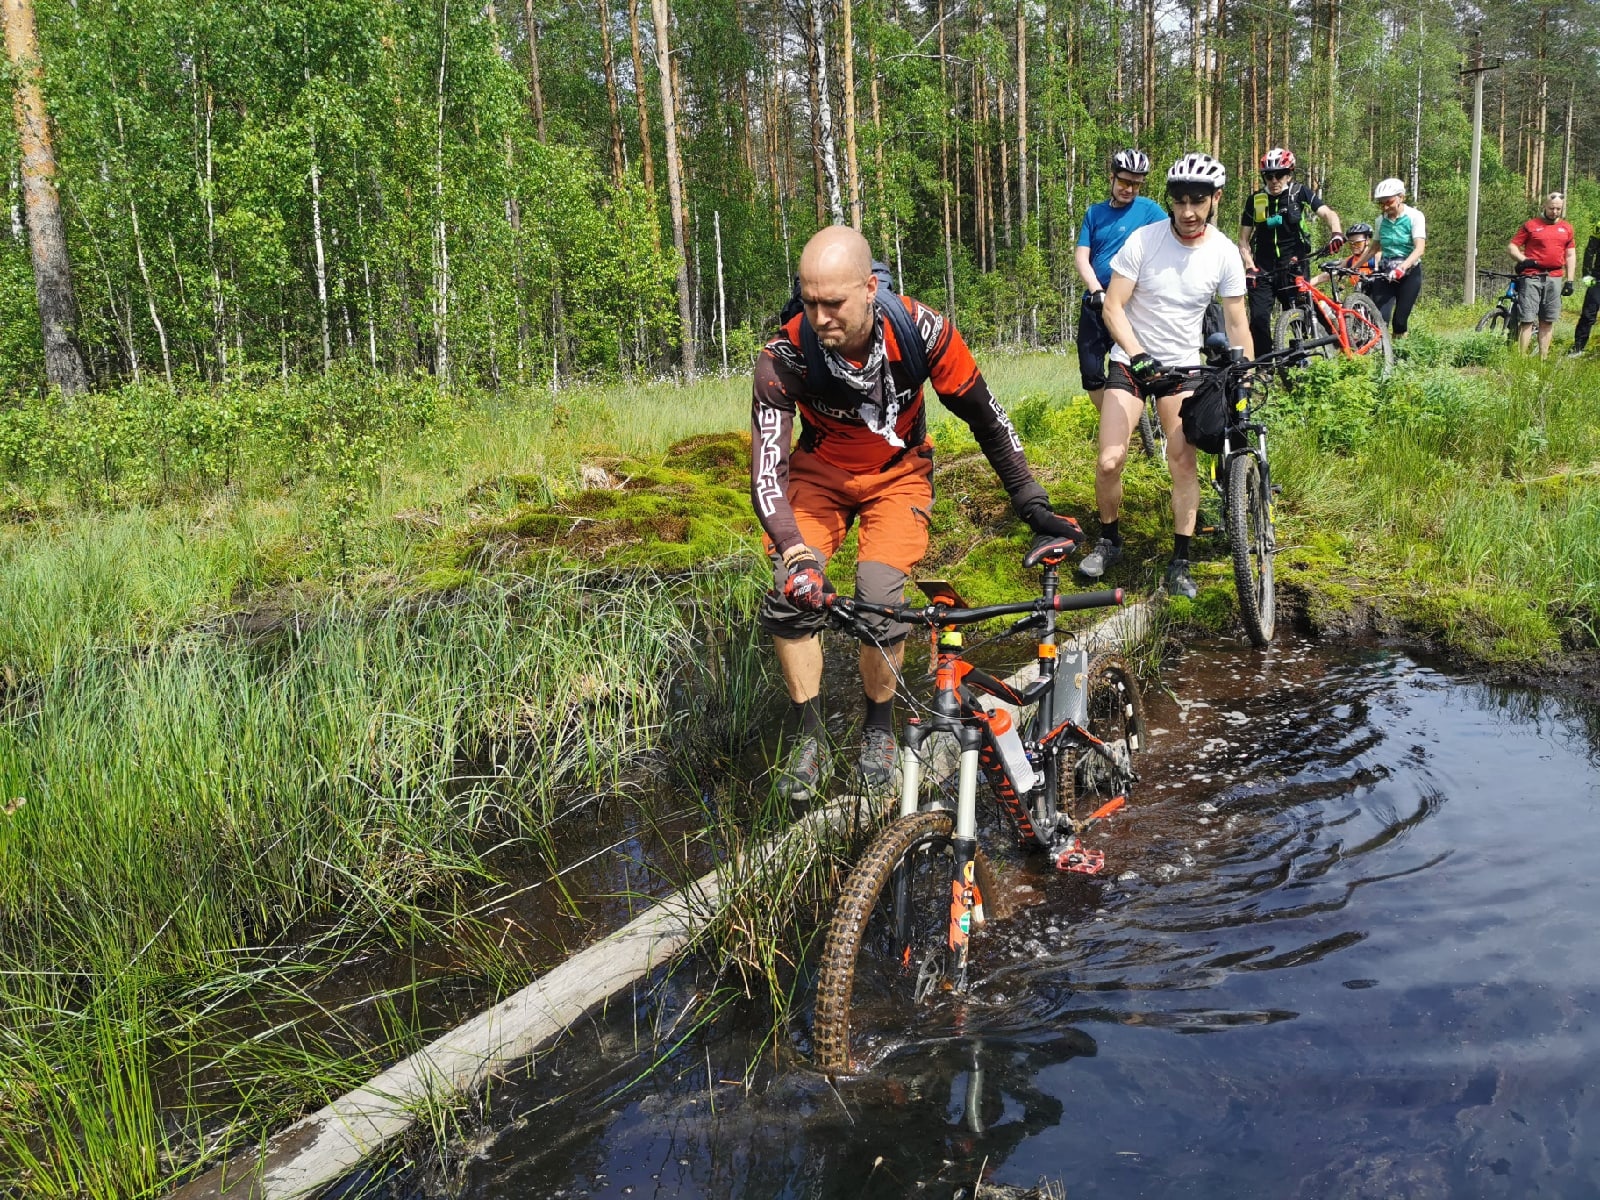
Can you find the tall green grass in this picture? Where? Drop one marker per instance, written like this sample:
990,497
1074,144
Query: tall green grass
201,828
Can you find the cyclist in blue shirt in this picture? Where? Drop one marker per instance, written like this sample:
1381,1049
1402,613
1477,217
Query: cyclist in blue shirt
1106,227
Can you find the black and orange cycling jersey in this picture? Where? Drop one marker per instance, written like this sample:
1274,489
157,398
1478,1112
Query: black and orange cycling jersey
866,429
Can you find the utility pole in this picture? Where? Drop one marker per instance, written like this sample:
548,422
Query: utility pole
1469,291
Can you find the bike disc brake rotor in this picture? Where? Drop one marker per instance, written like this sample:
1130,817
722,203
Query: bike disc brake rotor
930,976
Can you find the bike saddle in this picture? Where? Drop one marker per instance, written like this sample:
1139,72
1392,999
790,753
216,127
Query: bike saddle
1049,551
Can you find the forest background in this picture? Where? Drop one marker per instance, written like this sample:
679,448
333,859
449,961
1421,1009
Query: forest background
495,196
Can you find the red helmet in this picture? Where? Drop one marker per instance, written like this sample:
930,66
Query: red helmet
1277,159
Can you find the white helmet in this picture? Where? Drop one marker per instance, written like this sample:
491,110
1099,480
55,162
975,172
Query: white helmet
1134,162
1388,187
1196,168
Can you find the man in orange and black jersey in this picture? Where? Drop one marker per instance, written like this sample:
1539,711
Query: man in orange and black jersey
863,455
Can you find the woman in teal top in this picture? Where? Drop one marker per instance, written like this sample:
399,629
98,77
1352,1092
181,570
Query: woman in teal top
1397,255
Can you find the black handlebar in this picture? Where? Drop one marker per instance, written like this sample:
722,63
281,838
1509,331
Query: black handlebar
848,607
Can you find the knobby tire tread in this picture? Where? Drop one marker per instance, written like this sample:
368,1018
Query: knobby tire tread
860,897
1249,528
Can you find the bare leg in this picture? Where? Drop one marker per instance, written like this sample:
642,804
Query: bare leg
800,661
1524,336
879,668
1181,462
1546,329
1119,417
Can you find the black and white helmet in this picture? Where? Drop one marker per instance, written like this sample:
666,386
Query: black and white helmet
1134,162
1194,169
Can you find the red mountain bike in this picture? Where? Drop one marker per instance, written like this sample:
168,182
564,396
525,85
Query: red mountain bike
1355,322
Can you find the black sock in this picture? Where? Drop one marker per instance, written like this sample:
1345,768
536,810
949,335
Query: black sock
1180,545
880,713
809,714
1109,531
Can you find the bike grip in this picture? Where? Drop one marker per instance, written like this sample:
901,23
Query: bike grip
1069,601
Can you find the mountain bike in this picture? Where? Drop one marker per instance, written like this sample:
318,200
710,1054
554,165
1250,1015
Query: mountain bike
1503,316
900,936
1355,324
1240,472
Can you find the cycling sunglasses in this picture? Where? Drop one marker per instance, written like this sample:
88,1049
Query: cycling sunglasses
1276,174
1136,182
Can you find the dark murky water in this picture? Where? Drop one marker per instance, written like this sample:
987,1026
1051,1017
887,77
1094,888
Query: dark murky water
1349,950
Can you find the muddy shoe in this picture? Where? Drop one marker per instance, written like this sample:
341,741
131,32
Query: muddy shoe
1095,562
802,775
878,754
1178,581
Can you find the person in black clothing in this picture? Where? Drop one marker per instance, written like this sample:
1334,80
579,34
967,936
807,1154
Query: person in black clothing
1591,295
1274,239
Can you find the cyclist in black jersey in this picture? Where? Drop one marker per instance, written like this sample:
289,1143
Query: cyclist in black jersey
1275,239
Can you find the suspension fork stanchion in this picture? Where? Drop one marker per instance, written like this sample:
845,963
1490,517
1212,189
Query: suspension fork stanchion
911,765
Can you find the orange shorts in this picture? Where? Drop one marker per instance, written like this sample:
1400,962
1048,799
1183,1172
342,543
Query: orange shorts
895,507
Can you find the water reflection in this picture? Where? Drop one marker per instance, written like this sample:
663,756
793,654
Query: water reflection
1371,887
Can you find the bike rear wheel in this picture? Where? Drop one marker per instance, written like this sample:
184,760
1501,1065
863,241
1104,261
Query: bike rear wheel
1116,716
1368,331
1295,325
1250,538
887,951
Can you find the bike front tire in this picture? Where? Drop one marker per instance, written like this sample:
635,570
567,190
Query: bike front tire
1369,332
1250,536
871,977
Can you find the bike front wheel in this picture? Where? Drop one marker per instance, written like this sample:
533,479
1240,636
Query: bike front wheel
1251,540
1089,779
1151,435
887,952
1496,320
1368,332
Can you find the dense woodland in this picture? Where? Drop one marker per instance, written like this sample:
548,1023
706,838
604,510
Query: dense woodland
492,195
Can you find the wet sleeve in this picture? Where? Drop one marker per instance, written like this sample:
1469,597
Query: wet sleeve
771,432
962,389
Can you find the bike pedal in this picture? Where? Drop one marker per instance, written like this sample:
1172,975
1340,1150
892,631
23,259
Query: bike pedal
1080,860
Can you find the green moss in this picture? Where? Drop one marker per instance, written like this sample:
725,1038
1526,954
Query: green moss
669,515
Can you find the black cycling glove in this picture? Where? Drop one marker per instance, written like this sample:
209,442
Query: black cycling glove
1144,367
1032,504
1096,300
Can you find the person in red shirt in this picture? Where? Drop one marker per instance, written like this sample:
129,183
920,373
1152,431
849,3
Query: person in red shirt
1546,251
863,455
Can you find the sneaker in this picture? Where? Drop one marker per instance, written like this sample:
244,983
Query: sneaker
1094,563
1574,353
878,756
801,778
1178,581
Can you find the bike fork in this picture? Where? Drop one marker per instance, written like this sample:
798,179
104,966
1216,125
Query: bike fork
966,904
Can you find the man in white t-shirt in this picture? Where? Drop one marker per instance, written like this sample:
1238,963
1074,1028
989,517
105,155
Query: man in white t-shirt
1161,282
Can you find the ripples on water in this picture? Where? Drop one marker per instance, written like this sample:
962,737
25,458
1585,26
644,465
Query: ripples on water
1368,884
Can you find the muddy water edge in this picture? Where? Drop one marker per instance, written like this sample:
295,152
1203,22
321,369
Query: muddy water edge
1344,947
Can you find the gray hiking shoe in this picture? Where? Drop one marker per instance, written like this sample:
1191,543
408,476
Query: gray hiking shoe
878,755
1095,562
1178,581
801,778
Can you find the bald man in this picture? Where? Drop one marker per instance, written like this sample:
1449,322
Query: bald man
863,455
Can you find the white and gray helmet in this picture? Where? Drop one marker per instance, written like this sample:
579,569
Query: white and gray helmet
1134,162
1194,169
1388,187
